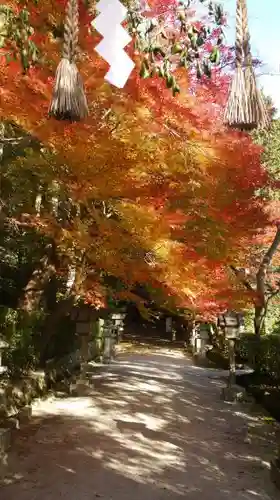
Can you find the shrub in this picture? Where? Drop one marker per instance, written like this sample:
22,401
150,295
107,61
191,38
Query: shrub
19,330
219,358
23,332
262,354
63,341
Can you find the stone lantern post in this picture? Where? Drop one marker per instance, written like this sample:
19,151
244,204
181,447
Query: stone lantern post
118,320
231,323
109,337
201,340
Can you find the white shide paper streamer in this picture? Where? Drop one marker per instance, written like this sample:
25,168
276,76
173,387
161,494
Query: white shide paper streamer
109,24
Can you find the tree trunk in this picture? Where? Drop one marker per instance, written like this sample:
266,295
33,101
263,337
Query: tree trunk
62,309
49,330
259,319
33,291
263,295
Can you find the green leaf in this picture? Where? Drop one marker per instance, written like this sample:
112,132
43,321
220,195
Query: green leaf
215,56
24,15
158,51
170,80
194,41
144,72
176,48
17,34
206,69
200,41
182,62
24,59
190,32
176,89
199,71
218,57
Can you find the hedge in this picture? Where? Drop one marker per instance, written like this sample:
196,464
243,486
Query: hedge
263,353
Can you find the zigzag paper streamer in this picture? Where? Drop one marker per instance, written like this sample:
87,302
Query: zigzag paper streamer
109,24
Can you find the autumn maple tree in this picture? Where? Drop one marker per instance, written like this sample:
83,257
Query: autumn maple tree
148,189
261,273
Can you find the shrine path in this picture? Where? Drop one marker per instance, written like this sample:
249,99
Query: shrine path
153,428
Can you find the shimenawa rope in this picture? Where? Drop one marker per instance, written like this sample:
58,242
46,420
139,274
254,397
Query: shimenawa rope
69,100
245,108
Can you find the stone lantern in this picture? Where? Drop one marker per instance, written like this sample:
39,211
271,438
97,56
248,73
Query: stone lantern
118,320
231,323
201,340
109,337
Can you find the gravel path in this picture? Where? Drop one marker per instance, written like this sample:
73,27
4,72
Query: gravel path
153,428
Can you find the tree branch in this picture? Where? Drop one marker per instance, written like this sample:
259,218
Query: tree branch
18,141
272,295
266,261
238,273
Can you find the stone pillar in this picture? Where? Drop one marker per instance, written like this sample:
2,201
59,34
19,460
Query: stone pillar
108,341
83,329
232,392
200,345
118,321
168,327
232,367
99,338
201,341
193,338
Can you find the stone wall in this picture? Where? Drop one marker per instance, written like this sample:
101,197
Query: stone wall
15,394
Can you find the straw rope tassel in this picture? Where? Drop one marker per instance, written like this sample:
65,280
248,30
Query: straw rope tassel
257,110
69,100
245,107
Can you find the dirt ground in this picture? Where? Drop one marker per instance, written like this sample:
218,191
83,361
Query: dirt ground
153,427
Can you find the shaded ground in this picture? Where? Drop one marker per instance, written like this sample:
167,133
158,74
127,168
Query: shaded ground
265,390
263,387
153,427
